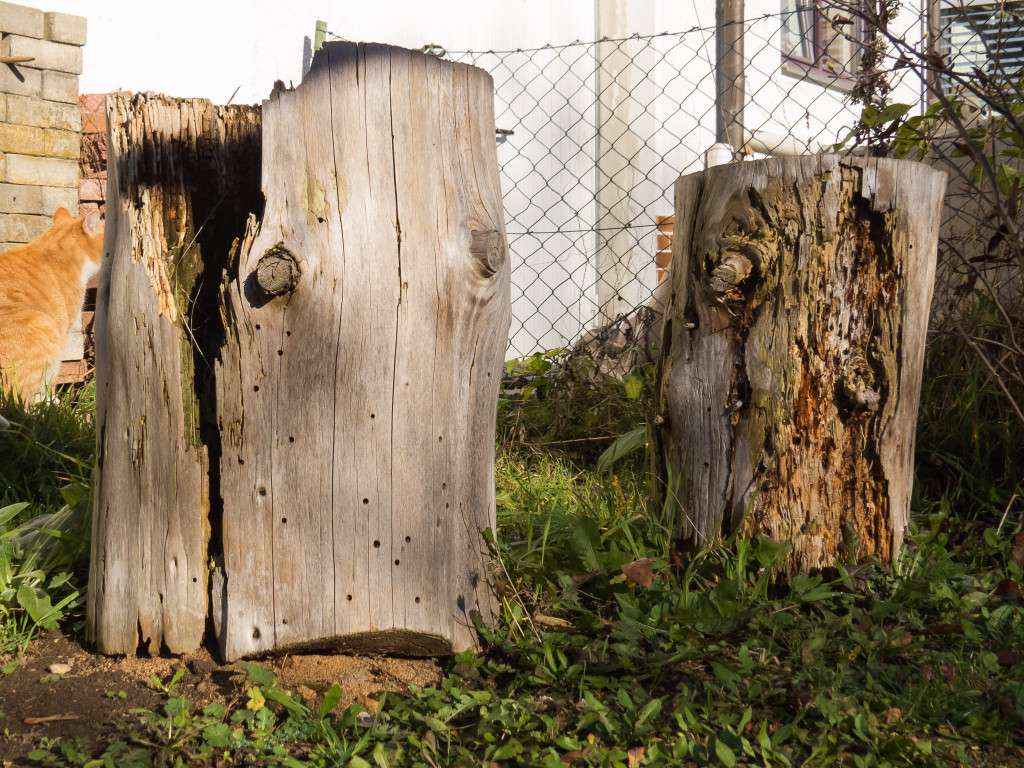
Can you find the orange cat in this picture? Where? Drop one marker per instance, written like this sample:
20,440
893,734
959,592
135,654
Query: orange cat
42,286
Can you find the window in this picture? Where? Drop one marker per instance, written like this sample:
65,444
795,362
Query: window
821,41
987,36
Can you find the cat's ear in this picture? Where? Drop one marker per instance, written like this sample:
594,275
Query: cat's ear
93,224
61,216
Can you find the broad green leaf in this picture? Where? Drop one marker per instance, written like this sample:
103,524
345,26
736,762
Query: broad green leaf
217,735
260,675
623,446
633,385
724,754
331,699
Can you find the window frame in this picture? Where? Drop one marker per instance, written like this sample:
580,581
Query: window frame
795,65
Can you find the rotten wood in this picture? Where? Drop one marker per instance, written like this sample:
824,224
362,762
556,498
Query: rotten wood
795,333
183,175
301,403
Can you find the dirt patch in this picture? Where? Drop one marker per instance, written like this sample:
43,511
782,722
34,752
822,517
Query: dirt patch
97,692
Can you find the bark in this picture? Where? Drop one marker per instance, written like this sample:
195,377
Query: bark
795,336
356,335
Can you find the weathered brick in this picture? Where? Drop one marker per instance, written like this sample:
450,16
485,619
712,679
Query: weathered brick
23,139
21,20
21,80
3,106
43,171
58,143
84,209
65,28
20,198
59,197
90,190
60,86
25,110
22,227
94,112
46,54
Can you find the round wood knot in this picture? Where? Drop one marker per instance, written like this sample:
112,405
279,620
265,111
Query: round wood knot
277,271
487,247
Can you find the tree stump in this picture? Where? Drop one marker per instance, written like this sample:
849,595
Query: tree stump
794,346
183,175
353,344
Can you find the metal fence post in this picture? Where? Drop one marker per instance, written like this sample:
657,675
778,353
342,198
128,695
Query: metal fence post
729,75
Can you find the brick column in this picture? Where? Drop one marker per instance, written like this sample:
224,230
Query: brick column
40,122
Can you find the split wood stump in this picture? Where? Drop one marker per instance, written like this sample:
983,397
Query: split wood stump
296,409
795,336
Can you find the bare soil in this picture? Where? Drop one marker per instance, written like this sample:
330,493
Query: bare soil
87,701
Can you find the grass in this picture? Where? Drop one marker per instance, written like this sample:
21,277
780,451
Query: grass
605,655
45,493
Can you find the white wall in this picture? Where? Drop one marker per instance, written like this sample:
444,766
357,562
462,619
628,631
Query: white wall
207,48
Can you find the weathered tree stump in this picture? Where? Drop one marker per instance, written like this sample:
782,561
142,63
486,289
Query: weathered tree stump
794,346
351,355
183,176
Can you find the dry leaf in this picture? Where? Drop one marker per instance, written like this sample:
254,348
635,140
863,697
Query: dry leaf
1008,658
551,622
48,719
636,756
639,572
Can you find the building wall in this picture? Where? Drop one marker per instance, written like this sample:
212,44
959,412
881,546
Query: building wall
40,124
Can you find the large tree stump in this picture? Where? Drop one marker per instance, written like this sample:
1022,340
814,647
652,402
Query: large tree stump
795,338
354,343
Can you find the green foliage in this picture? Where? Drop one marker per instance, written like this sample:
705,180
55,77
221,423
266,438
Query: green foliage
714,664
969,451
45,494
605,654
555,517
625,445
564,402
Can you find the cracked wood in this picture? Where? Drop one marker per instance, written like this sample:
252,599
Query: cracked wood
795,340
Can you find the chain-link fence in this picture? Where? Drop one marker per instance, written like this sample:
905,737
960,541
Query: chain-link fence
594,134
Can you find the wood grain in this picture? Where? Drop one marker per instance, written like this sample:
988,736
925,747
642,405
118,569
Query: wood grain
357,411
172,164
795,336
301,337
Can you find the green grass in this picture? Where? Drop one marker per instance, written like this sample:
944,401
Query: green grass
45,495
712,661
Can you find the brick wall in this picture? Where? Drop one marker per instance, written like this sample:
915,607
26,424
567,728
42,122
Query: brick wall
40,137
92,188
40,122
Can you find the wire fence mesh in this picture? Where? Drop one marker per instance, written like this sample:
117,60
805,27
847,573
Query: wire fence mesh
593,136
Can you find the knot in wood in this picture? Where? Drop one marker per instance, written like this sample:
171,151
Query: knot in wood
729,274
277,271
488,249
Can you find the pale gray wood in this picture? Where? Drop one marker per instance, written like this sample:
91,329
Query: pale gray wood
795,335
355,516
148,572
